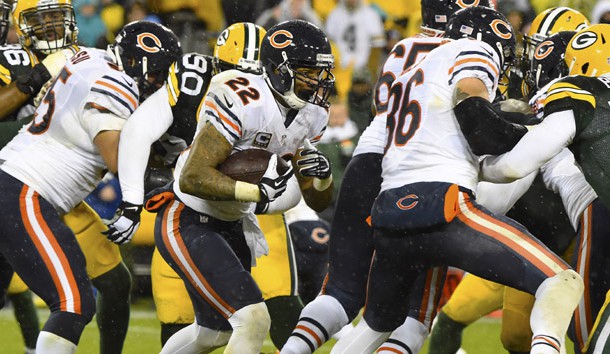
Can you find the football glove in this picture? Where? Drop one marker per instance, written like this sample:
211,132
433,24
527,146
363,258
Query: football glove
313,163
272,184
31,83
124,224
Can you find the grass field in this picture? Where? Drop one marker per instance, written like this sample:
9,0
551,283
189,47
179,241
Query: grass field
483,337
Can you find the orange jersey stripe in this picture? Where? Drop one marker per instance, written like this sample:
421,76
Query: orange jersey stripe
191,264
223,117
489,63
117,89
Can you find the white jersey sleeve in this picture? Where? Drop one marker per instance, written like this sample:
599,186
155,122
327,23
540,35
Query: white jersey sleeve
222,108
145,126
476,59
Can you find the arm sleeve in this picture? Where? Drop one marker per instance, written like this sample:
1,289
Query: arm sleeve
537,147
488,193
144,127
223,111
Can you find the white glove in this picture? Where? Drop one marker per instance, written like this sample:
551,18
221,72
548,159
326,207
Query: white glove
56,61
124,224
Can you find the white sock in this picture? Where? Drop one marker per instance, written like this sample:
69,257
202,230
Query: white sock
250,327
195,339
362,340
50,343
319,320
556,299
408,338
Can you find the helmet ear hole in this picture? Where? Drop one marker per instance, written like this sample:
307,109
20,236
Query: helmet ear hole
585,68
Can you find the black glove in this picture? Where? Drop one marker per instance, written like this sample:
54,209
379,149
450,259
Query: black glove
124,224
272,184
31,83
313,163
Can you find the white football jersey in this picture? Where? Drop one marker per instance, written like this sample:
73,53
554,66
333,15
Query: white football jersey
55,154
425,142
404,54
242,108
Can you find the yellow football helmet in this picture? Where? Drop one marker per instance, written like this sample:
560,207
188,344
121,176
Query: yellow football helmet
588,52
45,25
551,21
238,47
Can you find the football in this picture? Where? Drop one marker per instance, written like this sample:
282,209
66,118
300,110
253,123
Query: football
249,165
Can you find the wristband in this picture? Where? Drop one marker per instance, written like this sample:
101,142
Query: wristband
247,192
322,184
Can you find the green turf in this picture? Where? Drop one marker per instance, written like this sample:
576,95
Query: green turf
483,337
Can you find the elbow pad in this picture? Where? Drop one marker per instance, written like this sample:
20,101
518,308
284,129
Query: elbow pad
486,132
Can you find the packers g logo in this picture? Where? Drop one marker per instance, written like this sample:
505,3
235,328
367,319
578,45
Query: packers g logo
467,3
222,37
501,28
543,50
149,42
280,39
584,40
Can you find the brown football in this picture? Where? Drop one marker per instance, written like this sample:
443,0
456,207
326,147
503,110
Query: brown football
249,165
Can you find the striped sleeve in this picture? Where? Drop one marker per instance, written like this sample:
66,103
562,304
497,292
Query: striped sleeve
478,62
569,92
222,111
116,93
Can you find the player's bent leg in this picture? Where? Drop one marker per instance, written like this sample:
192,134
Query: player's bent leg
516,334
108,273
276,276
195,339
408,338
351,250
172,302
250,326
446,336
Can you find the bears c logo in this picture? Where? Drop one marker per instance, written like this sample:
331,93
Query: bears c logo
501,28
280,39
411,199
543,50
149,42
467,3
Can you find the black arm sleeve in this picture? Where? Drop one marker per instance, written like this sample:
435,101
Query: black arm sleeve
485,130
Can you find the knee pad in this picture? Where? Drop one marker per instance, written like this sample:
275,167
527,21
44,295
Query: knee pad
253,317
